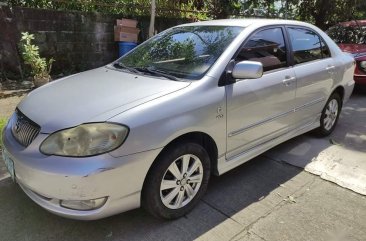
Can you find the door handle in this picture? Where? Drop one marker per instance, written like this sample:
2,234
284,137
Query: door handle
330,67
288,80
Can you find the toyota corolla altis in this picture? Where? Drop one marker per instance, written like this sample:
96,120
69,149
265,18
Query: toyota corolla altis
195,100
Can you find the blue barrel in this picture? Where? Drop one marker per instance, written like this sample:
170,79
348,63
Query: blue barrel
125,47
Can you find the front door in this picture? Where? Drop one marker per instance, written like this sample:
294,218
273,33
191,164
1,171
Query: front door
259,110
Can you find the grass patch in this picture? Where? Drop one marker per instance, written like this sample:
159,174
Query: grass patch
3,122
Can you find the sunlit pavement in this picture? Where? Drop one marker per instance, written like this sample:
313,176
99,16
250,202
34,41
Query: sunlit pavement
341,157
264,199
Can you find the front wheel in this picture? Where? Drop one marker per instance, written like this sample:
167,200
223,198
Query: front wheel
330,115
176,181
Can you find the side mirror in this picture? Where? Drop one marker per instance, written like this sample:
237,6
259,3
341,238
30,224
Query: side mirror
247,70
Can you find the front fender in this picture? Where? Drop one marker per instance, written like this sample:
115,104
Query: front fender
197,108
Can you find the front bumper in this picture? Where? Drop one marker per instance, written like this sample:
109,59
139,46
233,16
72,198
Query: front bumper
49,179
348,89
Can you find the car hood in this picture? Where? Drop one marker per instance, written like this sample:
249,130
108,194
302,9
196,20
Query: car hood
91,96
355,49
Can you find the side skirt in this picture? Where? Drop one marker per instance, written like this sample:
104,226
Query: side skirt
225,165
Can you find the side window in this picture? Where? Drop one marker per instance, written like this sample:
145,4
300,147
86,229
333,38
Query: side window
305,44
325,50
266,46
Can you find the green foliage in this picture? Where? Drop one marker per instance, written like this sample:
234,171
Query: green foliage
348,34
261,8
323,13
223,8
40,67
191,9
165,8
3,122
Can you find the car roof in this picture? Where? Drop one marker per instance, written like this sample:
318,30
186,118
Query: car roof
246,22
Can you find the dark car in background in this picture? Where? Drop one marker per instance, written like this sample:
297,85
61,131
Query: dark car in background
351,37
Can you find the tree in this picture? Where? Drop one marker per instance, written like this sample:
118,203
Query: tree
324,13
269,8
221,9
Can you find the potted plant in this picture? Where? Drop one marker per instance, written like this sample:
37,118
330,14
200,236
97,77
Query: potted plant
40,67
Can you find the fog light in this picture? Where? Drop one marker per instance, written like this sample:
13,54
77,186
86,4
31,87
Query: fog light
83,205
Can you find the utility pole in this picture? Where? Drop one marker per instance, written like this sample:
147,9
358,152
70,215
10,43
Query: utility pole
152,18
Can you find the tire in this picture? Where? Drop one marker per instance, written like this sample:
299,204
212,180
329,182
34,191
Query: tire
330,115
166,192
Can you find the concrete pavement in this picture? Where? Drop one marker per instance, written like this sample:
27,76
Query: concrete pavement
341,157
8,105
260,200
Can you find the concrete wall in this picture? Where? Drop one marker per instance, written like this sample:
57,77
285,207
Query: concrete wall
77,41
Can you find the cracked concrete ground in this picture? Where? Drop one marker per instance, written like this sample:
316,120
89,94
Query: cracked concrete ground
260,200
341,157
264,199
8,105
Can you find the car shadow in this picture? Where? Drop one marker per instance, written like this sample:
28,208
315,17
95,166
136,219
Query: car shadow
351,129
231,203
349,134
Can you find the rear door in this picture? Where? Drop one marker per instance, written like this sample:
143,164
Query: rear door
259,110
314,69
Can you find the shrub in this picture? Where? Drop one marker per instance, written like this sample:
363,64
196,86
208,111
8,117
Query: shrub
3,122
40,67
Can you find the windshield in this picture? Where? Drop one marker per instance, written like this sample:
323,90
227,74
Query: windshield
182,52
348,34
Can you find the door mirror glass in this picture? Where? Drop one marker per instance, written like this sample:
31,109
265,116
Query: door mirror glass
247,70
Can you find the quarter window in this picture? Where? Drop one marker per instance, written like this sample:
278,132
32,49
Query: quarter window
307,45
325,49
266,46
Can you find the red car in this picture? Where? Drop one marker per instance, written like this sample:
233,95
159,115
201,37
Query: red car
351,37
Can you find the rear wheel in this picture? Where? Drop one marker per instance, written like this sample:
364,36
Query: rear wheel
330,115
176,181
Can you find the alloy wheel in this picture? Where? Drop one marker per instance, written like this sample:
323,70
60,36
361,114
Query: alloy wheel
181,181
331,113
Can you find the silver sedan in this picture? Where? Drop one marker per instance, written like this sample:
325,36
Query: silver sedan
195,100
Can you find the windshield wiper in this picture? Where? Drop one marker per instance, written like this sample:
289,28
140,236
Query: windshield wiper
119,65
140,70
156,72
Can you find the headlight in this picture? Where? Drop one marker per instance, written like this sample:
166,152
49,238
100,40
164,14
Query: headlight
85,140
363,65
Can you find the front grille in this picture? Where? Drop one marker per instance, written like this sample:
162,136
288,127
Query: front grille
24,130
